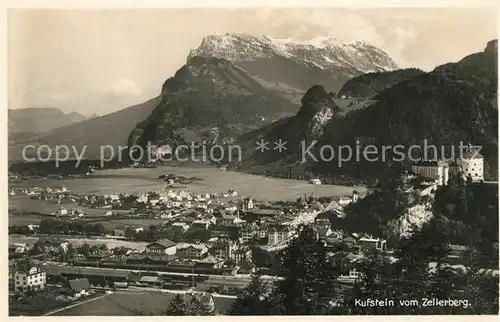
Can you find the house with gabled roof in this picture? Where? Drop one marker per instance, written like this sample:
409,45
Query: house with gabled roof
79,287
202,224
225,218
162,246
211,262
192,251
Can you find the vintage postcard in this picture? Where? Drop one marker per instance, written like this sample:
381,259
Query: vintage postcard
252,161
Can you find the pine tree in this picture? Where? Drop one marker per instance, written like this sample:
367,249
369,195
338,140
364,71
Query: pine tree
308,285
376,282
253,300
177,306
199,304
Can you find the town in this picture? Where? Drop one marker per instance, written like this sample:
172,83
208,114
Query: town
208,243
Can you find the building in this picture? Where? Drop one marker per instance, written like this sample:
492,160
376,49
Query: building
347,265
180,226
471,164
210,262
201,224
256,214
457,251
95,275
315,181
146,260
242,255
222,248
62,212
432,170
349,242
29,277
322,231
248,204
247,233
163,246
18,249
192,251
79,287
226,219
150,281
278,235
355,196
367,242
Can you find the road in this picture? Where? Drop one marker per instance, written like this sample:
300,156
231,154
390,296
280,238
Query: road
135,289
74,305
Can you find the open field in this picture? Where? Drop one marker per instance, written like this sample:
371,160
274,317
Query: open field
128,303
110,243
27,205
108,223
130,180
36,210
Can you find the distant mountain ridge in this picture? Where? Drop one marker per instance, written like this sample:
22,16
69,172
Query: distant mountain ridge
291,67
110,129
40,119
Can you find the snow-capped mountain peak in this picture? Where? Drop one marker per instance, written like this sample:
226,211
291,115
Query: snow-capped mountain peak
322,52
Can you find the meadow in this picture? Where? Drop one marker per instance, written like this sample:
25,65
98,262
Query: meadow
137,180
140,180
110,243
128,303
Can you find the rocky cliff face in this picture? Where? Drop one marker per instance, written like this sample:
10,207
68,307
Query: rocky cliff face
318,108
208,95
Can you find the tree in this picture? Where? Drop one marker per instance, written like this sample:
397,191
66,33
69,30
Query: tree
253,300
191,304
308,285
177,306
84,249
376,282
199,304
261,258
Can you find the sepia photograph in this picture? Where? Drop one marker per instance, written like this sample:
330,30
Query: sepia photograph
252,161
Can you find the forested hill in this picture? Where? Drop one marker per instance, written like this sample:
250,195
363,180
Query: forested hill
368,85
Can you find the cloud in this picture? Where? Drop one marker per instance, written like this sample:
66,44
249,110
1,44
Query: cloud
400,40
125,87
60,96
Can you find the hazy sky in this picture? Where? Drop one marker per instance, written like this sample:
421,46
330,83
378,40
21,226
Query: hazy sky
104,60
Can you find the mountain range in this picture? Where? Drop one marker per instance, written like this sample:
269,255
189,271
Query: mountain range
289,66
94,132
237,87
223,91
456,102
31,121
237,82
